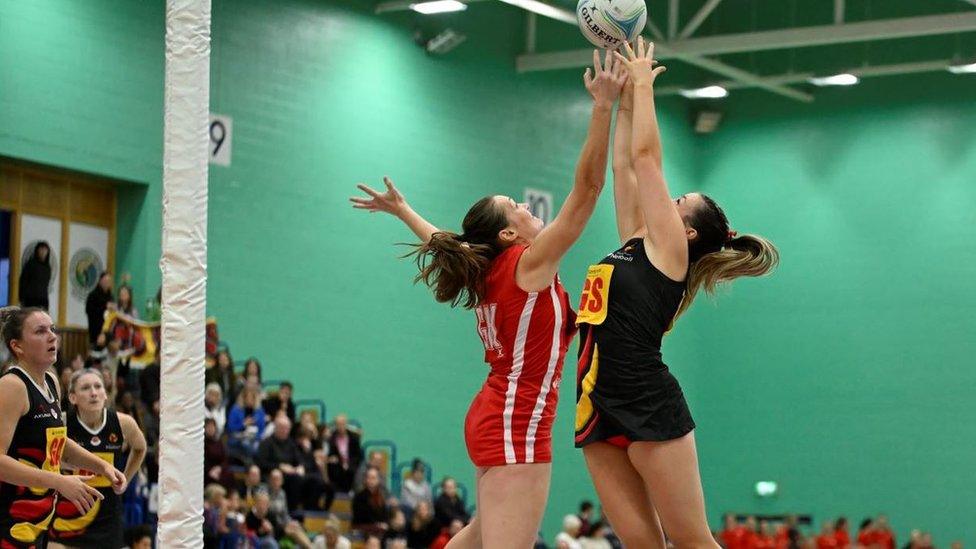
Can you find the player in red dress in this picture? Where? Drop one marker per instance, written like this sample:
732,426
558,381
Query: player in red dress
504,266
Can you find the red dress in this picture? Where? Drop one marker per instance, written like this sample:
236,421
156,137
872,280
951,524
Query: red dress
526,335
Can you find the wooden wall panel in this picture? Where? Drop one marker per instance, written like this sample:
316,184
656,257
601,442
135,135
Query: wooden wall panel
53,192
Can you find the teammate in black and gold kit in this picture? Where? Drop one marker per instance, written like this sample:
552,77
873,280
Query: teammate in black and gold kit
115,438
33,442
632,420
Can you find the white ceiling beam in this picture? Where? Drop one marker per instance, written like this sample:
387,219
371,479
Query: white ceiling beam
700,17
839,12
530,31
883,29
746,79
799,78
656,31
972,2
672,18
778,39
661,50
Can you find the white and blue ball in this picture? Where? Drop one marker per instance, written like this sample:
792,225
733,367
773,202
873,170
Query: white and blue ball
607,24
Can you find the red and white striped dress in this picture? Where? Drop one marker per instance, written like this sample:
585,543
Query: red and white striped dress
526,335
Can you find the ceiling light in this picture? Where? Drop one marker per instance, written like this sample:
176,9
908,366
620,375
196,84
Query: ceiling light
843,79
439,6
963,69
545,10
709,92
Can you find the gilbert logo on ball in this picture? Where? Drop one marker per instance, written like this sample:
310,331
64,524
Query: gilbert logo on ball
607,24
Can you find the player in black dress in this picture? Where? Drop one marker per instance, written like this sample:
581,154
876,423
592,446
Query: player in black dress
33,441
632,420
115,438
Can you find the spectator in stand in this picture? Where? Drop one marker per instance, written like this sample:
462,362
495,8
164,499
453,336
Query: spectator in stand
216,467
596,538
139,537
149,386
751,537
248,489
445,536
449,506
788,534
345,454
423,529
370,513
280,401
376,459
317,491
261,524
276,496
956,545
828,536
586,516
415,487
280,451
124,302
734,534
213,402
331,538
373,542
251,372
218,518
840,533
222,373
883,536
35,279
766,538
245,422
567,538
98,301
397,530
865,534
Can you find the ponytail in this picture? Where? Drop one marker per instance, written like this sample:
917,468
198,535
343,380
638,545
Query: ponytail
746,255
453,268
454,265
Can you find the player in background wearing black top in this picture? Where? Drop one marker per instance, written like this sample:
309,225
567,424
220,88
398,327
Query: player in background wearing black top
112,436
33,444
639,445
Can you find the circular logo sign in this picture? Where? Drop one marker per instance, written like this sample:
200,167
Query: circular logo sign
84,268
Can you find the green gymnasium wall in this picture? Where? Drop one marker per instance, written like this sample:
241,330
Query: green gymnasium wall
847,377
322,96
842,377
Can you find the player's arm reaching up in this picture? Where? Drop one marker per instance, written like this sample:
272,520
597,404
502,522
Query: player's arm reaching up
393,203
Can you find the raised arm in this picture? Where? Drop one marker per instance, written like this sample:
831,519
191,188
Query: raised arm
629,220
393,203
541,261
666,243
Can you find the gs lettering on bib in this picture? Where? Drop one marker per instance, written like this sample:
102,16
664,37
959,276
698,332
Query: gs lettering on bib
596,295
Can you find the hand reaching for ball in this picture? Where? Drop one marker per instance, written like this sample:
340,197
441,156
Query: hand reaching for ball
640,64
607,79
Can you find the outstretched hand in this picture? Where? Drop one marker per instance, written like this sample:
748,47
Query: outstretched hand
640,64
391,202
607,79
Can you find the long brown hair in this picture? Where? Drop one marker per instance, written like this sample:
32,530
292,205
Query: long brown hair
454,265
717,255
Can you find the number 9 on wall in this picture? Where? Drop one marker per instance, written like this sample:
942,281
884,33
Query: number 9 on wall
220,139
